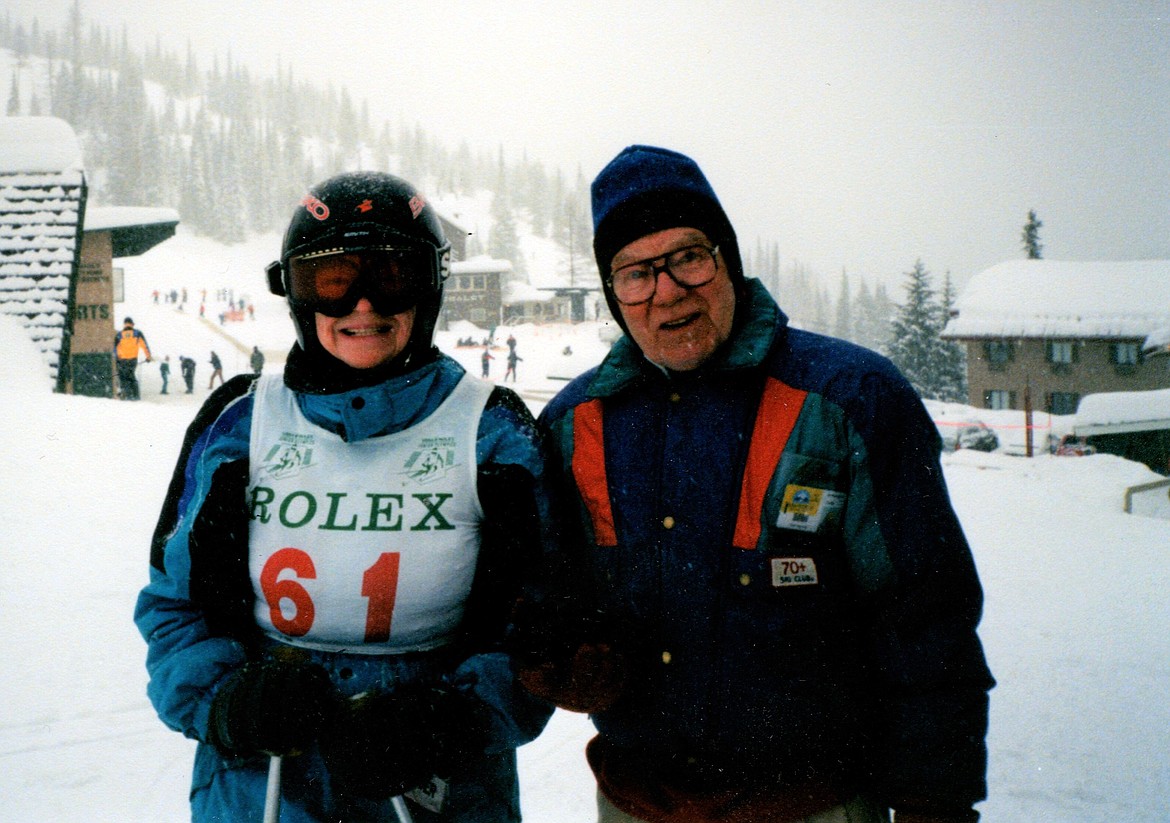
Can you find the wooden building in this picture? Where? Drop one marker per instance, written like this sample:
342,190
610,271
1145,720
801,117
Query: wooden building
1058,330
56,256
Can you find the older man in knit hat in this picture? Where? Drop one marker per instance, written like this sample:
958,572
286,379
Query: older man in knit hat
761,593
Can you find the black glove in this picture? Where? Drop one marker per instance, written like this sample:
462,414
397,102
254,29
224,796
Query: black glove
271,708
387,744
564,655
550,629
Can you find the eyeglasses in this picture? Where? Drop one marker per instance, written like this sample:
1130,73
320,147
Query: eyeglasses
689,267
332,281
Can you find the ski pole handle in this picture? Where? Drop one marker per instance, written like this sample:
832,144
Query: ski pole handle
272,795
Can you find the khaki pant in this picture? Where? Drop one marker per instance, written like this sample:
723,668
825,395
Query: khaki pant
858,810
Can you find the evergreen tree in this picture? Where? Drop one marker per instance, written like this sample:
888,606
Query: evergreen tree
504,240
126,137
843,325
14,97
953,367
915,346
1031,236
871,321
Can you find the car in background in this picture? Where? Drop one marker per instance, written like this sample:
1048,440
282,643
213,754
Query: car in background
1072,446
977,436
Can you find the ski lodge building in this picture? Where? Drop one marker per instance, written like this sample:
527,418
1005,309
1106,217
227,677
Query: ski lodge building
1061,330
56,257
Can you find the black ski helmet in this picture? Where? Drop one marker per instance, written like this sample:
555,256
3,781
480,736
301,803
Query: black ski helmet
358,210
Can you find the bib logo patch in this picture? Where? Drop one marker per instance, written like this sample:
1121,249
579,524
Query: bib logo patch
794,571
290,454
430,795
805,508
431,460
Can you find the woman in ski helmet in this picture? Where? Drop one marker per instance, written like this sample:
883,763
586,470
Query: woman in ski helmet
339,549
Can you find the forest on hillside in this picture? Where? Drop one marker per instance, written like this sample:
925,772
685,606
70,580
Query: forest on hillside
229,149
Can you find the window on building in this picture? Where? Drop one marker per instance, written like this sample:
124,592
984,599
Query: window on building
464,282
1063,402
1062,352
999,352
479,282
1124,354
999,399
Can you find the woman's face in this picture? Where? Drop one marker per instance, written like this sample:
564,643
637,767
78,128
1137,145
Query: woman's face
364,339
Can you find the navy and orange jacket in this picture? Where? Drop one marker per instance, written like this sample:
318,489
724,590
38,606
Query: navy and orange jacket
771,539
129,342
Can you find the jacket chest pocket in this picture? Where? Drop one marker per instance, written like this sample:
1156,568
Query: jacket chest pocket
801,555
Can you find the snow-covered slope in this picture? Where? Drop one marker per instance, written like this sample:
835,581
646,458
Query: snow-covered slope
1077,628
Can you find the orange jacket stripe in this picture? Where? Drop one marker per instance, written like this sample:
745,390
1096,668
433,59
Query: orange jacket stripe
589,470
780,405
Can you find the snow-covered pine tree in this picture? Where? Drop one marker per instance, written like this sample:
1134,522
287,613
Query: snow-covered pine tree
953,370
915,346
504,239
843,325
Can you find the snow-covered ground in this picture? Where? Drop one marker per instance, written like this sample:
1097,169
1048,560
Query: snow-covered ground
1076,627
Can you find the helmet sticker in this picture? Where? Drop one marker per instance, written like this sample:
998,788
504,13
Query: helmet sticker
364,206
417,203
315,207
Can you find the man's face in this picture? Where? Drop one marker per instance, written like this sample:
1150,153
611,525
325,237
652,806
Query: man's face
679,327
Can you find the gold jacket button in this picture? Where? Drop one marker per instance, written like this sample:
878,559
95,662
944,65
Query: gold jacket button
666,658
668,522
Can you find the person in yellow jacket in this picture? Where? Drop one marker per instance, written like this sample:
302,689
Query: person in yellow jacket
128,344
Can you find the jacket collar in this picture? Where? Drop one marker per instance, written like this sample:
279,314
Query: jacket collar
758,323
384,408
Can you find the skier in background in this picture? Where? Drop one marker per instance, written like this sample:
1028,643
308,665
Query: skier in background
339,551
513,359
129,343
486,360
187,369
216,371
257,360
164,371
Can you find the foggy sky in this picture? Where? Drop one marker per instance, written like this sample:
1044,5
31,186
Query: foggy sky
858,135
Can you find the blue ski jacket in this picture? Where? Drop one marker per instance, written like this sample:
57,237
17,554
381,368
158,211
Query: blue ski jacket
196,611
773,547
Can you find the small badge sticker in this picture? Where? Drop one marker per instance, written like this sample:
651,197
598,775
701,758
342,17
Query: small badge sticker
805,508
794,571
431,795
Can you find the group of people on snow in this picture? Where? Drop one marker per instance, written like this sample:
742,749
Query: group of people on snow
374,576
130,344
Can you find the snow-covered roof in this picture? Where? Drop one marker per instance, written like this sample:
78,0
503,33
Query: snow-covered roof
99,218
1119,412
481,264
42,199
1158,342
38,144
1055,298
134,230
525,293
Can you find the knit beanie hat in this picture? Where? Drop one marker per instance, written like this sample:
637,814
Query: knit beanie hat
647,189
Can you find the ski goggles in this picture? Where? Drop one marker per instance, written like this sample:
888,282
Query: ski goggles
334,280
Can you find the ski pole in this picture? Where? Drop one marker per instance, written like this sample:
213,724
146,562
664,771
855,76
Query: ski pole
399,804
272,795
